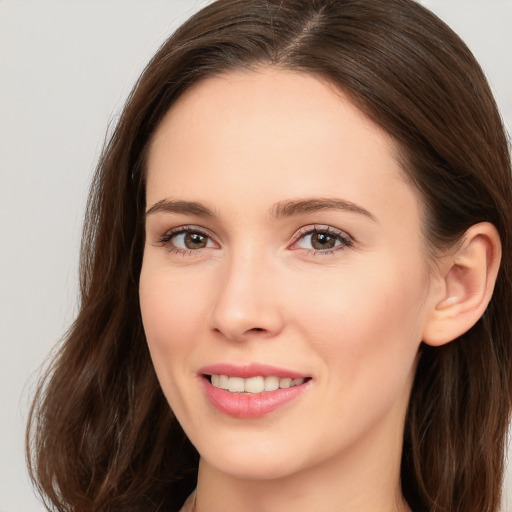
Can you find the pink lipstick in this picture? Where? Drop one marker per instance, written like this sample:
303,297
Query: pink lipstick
251,391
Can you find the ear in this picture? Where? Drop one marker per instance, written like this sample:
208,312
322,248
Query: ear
464,285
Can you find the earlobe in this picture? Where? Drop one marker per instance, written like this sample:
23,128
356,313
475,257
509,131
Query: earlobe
466,282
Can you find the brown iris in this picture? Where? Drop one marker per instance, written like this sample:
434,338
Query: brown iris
195,241
321,241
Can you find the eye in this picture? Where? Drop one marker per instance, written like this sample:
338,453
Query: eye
321,239
186,239
190,241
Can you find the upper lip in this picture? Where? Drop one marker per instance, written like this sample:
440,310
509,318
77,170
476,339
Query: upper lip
247,371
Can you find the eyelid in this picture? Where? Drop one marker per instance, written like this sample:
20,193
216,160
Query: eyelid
166,238
347,240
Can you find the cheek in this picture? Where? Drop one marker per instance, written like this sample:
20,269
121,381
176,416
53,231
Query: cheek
168,299
368,338
171,316
367,320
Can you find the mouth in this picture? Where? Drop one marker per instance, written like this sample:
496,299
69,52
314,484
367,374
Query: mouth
253,385
252,391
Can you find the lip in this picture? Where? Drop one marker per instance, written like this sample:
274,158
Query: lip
248,405
251,370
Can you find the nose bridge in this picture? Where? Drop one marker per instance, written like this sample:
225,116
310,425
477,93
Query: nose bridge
246,299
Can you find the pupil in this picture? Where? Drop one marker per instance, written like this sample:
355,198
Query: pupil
322,241
195,241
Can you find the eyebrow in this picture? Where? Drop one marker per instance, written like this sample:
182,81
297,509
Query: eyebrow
183,207
314,204
282,209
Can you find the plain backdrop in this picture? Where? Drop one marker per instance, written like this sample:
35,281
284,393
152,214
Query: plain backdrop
66,67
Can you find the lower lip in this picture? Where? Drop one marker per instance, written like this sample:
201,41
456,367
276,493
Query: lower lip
248,405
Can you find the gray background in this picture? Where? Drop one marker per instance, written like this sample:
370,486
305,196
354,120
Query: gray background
66,67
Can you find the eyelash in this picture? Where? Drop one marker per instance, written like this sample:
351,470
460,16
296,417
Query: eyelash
166,239
346,241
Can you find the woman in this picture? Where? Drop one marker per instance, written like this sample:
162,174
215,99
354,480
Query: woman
296,275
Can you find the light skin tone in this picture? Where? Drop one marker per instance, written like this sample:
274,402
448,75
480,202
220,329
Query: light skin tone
302,249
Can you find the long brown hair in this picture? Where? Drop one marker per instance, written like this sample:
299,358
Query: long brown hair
101,436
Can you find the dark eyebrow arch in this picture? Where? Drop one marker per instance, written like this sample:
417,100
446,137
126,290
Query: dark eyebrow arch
183,207
314,204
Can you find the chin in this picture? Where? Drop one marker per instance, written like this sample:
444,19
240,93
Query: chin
264,461
253,470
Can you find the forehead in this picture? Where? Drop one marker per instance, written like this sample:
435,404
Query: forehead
263,99
270,134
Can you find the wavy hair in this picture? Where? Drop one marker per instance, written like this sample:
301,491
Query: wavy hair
101,436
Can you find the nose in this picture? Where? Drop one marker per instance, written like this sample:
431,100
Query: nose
246,303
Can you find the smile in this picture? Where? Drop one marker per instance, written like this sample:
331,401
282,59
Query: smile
253,385
252,391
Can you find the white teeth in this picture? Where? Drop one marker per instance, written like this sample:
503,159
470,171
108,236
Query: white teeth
253,384
236,385
223,382
285,383
271,383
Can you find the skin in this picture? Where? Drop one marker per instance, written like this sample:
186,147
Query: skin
351,317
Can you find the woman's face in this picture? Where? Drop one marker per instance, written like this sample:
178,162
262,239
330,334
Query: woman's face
283,248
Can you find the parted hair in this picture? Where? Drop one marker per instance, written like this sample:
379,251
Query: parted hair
101,436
